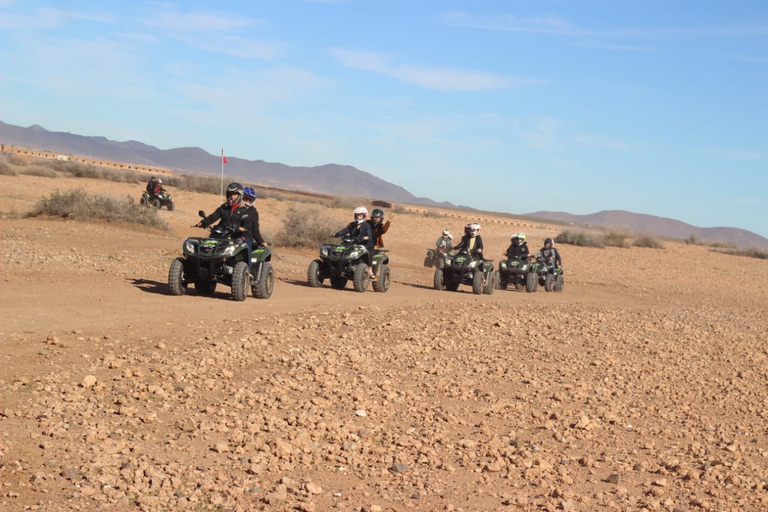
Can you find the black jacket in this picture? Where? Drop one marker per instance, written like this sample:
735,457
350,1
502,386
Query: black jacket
239,218
517,252
359,232
464,245
251,224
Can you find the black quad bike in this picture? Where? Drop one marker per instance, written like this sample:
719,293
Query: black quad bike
158,201
512,272
543,273
222,258
434,257
461,268
347,259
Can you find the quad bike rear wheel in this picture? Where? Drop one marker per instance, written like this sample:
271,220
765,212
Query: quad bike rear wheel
559,283
549,280
171,206
338,283
478,282
383,279
490,285
156,203
205,286
531,282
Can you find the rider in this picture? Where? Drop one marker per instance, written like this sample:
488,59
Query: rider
249,196
518,249
158,188
445,241
549,253
471,242
151,186
234,214
361,232
378,227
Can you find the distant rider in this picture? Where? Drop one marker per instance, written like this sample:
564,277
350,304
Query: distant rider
360,231
550,254
445,241
234,214
518,249
379,227
151,186
471,242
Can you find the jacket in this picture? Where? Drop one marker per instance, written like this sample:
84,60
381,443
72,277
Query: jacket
517,252
237,217
378,230
361,233
465,243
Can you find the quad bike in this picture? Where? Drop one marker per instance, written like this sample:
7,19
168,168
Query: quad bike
345,260
512,271
543,273
158,201
222,258
461,268
434,257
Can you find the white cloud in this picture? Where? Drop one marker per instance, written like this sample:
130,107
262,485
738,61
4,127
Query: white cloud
440,79
170,18
745,155
545,137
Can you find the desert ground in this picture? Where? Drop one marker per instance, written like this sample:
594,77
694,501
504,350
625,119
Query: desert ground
643,386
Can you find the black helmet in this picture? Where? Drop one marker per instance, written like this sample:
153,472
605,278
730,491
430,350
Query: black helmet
549,241
233,189
377,214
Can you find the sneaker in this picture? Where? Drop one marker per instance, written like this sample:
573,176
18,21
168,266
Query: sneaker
371,274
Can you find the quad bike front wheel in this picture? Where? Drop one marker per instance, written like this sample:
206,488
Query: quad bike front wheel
176,277
438,282
171,206
262,289
490,284
362,279
156,203
549,281
478,282
241,281
313,274
559,283
531,282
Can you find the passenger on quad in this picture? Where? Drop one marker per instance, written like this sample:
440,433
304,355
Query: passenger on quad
379,227
549,254
360,231
234,214
445,241
518,249
471,242
154,188
249,196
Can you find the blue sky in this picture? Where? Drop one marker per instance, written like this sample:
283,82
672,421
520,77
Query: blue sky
655,107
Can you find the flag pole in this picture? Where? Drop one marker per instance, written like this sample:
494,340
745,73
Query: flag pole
221,192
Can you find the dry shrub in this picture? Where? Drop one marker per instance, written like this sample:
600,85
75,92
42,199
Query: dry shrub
433,213
615,239
749,253
305,227
579,239
646,240
43,171
6,169
343,202
78,204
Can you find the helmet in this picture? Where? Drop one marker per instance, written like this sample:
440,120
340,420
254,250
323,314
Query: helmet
361,210
249,195
474,229
152,179
234,189
377,214
549,241
446,232
520,238
159,181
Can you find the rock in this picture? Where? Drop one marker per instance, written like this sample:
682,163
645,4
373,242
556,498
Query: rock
399,467
89,381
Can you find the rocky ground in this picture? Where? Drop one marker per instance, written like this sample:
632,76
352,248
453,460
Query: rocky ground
641,387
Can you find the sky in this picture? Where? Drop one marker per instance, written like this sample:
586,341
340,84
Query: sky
651,106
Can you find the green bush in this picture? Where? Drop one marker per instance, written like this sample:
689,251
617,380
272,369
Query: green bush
78,204
579,239
645,240
305,227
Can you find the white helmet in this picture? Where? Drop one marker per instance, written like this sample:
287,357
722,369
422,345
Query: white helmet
361,210
447,234
474,229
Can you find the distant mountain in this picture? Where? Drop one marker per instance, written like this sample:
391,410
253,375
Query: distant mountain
327,179
660,226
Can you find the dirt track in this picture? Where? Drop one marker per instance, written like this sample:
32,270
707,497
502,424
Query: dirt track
642,386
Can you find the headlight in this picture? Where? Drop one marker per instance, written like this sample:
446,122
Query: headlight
324,251
229,251
189,247
354,254
448,262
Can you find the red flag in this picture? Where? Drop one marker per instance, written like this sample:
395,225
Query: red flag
223,158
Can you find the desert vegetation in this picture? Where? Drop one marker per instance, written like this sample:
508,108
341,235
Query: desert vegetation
80,205
304,227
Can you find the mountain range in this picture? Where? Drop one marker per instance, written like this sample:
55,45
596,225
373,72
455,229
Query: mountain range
343,180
